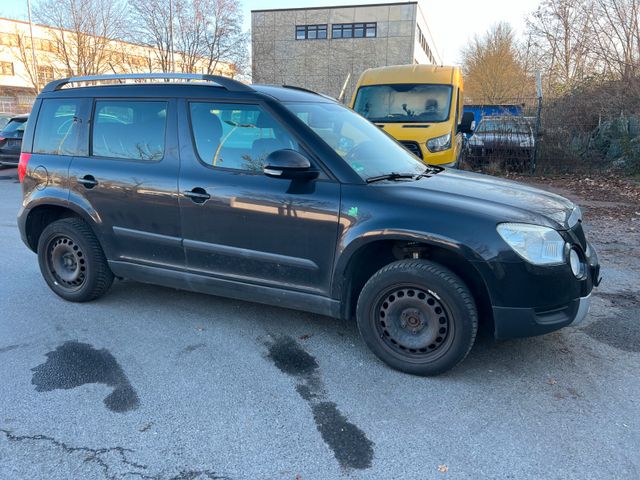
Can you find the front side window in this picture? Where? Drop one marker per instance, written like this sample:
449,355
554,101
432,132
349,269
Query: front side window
367,149
57,127
236,136
129,130
404,103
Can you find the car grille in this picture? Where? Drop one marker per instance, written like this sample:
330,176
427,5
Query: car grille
413,147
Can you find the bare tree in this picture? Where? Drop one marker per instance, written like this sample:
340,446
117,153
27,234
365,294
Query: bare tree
83,32
22,49
563,33
493,67
151,23
205,33
225,39
618,36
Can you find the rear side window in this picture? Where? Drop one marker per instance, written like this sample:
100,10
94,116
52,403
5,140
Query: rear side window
57,128
129,130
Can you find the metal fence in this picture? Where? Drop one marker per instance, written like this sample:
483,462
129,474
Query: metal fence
583,132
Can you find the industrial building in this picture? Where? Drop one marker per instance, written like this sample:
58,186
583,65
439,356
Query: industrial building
325,49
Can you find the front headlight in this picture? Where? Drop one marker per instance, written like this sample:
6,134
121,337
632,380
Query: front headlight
536,244
439,144
575,217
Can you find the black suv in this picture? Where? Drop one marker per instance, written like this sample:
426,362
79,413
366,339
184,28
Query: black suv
283,196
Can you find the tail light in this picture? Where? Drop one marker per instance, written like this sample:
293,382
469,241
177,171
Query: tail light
22,165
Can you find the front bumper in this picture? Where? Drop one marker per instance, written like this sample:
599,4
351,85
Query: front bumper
529,322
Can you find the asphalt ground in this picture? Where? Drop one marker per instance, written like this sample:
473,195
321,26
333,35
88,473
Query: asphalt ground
155,383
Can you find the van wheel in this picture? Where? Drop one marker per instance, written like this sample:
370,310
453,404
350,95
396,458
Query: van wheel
72,261
418,317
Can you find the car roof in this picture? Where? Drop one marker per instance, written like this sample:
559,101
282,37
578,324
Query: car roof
190,90
21,117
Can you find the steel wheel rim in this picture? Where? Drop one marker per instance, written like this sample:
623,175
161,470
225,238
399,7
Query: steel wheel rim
66,263
413,323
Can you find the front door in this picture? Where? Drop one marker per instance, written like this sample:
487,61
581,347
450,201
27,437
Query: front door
239,224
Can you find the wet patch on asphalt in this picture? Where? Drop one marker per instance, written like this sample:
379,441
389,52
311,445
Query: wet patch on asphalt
191,348
73,364
621,329
8,348
349,444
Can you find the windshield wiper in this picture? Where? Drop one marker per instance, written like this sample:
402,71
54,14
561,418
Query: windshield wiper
390,176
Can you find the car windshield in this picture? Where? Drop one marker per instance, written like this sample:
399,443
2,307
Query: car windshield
15,125
405,103
503,126
368,150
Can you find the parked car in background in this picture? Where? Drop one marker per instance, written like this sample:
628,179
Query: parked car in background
418,105
285,197
11,140
4,118
508,140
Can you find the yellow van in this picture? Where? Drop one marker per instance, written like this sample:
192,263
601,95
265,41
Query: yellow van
418,105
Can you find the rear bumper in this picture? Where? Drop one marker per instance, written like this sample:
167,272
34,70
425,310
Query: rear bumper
529,322
9,159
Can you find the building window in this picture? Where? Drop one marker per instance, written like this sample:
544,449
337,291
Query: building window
9,39
425,46
6,68
311,32
45,74
354,30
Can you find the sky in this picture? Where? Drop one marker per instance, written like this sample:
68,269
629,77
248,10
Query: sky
452,22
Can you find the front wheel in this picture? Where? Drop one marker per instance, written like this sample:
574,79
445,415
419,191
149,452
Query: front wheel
418,317
72,261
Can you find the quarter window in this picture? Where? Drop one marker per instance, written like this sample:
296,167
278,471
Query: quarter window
311,32
236,136
354,30
129,130
57,130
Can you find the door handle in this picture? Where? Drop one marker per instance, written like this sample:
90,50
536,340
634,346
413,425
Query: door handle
197,195
88,181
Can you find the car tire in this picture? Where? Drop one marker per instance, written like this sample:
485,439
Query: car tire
418,317
72,261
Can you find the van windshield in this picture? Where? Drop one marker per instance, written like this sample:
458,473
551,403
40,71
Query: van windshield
404,103
368,150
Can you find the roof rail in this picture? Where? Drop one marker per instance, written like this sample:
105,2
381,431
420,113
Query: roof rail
224,82
302,89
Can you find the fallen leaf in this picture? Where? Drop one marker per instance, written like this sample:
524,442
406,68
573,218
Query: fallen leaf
443,468
552,381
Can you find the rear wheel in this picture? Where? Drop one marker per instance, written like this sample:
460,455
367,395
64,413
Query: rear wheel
72,261
418,317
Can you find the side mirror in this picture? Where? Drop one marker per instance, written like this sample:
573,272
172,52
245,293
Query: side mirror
466,125
288,164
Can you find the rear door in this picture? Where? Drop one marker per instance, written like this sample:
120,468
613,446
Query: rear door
128,180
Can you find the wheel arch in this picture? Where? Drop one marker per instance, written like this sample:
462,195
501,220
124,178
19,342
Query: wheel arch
358,264
45,213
